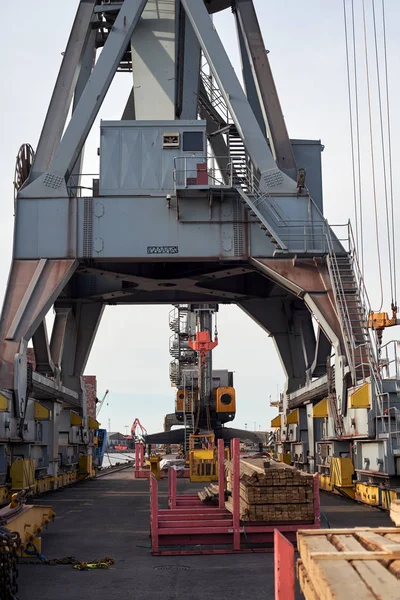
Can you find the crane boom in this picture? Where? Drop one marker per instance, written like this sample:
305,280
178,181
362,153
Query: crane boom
100,404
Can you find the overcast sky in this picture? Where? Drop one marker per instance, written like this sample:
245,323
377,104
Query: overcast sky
307,53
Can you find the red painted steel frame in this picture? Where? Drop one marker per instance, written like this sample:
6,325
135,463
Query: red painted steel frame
283,568
221,475
188,522
236,493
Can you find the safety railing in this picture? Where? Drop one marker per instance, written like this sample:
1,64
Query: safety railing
202,169
389,362
215,97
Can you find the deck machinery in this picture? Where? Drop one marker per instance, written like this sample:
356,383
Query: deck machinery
201,198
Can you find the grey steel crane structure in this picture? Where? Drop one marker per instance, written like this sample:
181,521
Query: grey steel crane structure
201,198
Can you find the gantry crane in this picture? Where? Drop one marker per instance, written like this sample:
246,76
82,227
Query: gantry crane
221,209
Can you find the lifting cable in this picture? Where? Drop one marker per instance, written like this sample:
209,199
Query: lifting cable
357,113
371,137
355,129
351,125
384,160
394,300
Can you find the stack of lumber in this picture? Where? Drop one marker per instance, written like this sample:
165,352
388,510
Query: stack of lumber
209,494
272,491
395,512
338,564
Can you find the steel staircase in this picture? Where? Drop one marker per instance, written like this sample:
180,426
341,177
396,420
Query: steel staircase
353,310
238,159
256,202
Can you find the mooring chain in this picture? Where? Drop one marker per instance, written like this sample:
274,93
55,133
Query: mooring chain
9,545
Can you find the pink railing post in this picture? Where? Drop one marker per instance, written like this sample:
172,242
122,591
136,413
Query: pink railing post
236,493
174,476
221,474
283,568
317,505
154,512
141,455
169,486
137,453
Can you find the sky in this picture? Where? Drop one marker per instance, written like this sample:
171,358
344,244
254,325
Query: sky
307,53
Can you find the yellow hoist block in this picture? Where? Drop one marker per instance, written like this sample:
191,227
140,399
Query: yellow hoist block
22,473
381,320
155,465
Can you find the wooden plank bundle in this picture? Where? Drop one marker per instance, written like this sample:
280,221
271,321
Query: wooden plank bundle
272,491
337,564
209,494
395,512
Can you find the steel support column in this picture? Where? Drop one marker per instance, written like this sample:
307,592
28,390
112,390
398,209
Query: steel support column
81,328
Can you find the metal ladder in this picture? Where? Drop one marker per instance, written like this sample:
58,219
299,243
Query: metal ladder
189,427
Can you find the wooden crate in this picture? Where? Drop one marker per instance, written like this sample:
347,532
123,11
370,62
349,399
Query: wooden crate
395,512
342,564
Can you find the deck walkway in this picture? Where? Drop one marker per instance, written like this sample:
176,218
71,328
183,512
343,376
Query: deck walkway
110,517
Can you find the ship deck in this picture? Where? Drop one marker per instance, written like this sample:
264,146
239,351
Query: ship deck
109,516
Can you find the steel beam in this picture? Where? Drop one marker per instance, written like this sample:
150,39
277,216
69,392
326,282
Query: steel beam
129,110
278,318
58,334
64,89
235,98
80,332
248,79
67,152
88,61
262,76
44,363
32,288
190,72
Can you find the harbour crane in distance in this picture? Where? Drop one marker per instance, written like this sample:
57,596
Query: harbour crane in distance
143,431
100,403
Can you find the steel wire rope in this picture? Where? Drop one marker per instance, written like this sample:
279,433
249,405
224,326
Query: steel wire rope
351,122
357,115
371,137
389,150
378,78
